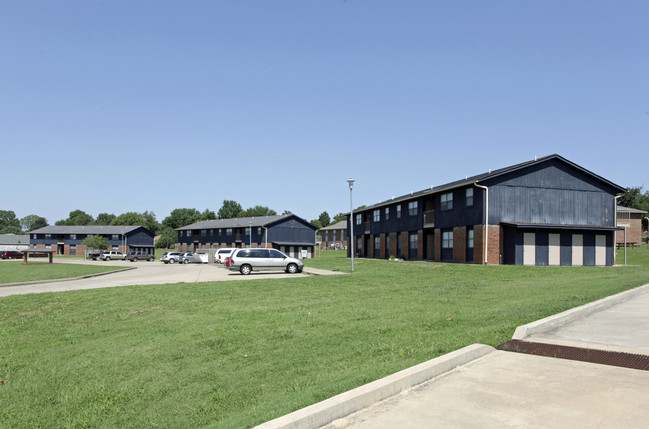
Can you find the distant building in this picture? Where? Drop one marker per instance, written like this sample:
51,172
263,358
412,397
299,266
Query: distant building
288,233
14,242
333,237
549,211
66,240
629,220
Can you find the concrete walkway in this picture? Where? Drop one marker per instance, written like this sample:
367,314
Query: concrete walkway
481,387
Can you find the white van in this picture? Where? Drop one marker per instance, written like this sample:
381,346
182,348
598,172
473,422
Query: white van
221,254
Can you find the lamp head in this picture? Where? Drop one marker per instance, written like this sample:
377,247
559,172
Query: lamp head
351,183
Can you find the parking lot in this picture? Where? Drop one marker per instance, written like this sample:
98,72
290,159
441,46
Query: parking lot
142,273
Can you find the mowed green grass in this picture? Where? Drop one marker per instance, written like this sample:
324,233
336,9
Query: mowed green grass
236,354
15,271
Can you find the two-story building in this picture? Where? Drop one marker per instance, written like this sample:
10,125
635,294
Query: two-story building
288,233
549,211
333,237
67,240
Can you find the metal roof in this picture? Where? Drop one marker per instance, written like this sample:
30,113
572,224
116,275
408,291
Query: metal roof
623,209
13,239
241,222
338,225
86,229
485,176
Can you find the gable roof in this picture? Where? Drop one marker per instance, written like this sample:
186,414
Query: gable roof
338,225
13,239
491,175
86,229
244,222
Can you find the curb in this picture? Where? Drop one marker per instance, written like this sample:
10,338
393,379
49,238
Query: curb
88,276
551,322
346,403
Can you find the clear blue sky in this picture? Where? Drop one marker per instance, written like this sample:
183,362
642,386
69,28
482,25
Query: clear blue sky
115,106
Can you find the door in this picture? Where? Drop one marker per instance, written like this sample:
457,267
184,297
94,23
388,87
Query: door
600,250
529,248
275,259
577,250
554,249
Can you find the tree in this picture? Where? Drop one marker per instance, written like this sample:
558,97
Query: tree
32,222
340,217
96,242
9,224
165,242
208,215
316,223
104,218
181,217
146,219
258,211
634,198
324,219
77,217
230,210
286,212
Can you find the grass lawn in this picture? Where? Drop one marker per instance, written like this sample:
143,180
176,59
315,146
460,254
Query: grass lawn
15,271
235,354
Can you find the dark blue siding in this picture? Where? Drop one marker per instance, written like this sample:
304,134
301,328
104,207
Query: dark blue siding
550,193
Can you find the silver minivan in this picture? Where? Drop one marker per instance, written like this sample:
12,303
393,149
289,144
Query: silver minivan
247,260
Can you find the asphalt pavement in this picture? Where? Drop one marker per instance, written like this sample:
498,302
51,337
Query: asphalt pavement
145,273
482,387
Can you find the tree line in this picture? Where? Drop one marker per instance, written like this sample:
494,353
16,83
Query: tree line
230,209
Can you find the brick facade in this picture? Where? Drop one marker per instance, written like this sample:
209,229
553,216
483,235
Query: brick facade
459,244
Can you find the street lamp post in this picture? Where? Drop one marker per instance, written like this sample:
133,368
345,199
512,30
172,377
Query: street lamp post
250,233
351,220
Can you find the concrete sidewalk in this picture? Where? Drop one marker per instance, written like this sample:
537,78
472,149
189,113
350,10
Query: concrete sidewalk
479,386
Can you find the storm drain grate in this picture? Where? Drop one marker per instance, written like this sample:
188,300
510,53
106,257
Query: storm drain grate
604,357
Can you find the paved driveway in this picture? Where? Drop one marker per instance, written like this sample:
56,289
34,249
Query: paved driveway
143,273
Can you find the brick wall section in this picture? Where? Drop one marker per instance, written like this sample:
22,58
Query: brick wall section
404,245
633,231
370,253
382,250
494,254
459,244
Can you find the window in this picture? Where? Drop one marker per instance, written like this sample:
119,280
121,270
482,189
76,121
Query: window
203,232
115,237
33,236
259,231
412,208
248,231
413,244
469,197
220,231
48,236
447,201
399,211
470,238
73,236
387,213
359,219
228,231
447,240
377,215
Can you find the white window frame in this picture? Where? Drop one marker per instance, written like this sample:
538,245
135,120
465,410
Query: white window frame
469,197
413,208
376,215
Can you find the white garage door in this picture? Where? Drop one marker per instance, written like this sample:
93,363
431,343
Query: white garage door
554,249
529,248
577,250
600,250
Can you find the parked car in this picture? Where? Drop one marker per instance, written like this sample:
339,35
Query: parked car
107,255
247,260
135,256
170,257
10,254
93,254
222,254
189,258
